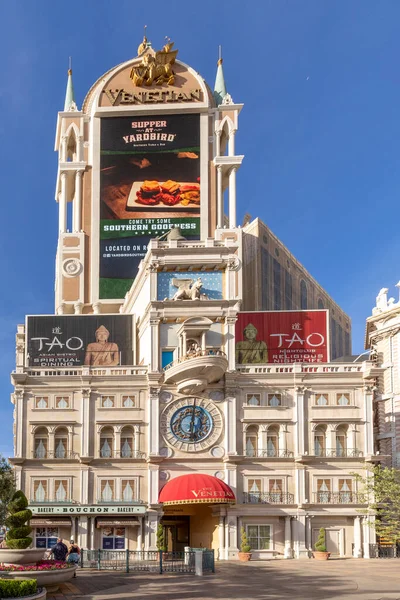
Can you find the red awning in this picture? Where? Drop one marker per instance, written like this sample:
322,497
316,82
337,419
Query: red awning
196,488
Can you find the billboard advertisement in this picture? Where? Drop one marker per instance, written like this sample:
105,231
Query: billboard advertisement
78,340
149,183
282,337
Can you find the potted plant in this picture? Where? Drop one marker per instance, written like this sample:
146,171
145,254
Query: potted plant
320,552
161,542
17,539
244,554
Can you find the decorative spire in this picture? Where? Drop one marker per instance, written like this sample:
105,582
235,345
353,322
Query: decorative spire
219,86
69,103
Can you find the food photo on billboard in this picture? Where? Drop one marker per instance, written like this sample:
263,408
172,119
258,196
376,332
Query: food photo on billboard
282,337
149,183
90,340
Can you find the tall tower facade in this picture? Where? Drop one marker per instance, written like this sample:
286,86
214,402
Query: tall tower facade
149,397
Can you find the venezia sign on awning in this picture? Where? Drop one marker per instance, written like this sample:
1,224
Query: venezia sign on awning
91,510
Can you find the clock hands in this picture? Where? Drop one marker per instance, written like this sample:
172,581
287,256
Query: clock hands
191,431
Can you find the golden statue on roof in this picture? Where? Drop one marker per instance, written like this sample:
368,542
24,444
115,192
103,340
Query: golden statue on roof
155,67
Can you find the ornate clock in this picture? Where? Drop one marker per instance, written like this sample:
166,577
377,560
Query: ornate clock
191,424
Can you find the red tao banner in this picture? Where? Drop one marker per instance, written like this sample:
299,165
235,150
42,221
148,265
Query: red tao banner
282,337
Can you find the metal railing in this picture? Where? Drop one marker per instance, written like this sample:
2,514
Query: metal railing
120,454
385,551
55,455
338,453
84,370
196,354
120,501
54,501
304,368
271,453
267,498
146,560
338,498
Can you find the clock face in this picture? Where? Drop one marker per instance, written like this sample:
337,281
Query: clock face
191,424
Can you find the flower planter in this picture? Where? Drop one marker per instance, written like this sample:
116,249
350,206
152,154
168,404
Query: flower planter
244,556
51,579
30,556
321,555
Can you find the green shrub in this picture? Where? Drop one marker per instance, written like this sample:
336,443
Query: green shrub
161,544
16,533
320,544
17,537
10,588
244,545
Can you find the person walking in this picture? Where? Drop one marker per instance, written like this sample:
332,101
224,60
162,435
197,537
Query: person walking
60,550
73,554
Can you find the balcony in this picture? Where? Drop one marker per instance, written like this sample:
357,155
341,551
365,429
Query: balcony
124,455
338,453
338,498
41,455
119,501
271,453
54,501
192,373
267,498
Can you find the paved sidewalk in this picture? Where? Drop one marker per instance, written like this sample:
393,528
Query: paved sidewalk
276,580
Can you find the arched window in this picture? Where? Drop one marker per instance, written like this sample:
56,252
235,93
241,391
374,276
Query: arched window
106,442
61,443
341,440
252,440
303,295
127,443
320,304
273,441
320,440
71,146
41,443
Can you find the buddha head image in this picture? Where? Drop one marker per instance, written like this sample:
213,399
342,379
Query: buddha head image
102,334
102,352
251,350
250,332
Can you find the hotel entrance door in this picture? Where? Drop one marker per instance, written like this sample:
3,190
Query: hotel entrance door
177,532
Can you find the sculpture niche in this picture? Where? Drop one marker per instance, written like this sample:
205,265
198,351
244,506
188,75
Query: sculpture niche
187,289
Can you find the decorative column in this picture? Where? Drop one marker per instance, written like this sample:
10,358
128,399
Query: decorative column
230,340
85,450
136,441
300,483
221,538
331,438
117,441
232,549
70,440
50,449
83,540
230,421
352,437
220,198
232,197
357,552
18,422
151,529
96,308
366,536
368,412
77,222
299,416
288,538
154,425
92,532
155,344
85,486
302,551
153,485
62,201
231,143
139,540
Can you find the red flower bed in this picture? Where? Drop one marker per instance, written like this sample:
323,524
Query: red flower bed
43,565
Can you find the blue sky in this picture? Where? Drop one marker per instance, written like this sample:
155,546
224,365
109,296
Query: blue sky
319,130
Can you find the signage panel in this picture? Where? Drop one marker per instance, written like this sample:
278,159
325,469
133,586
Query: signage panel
149,183
77,340
282,337
54,509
